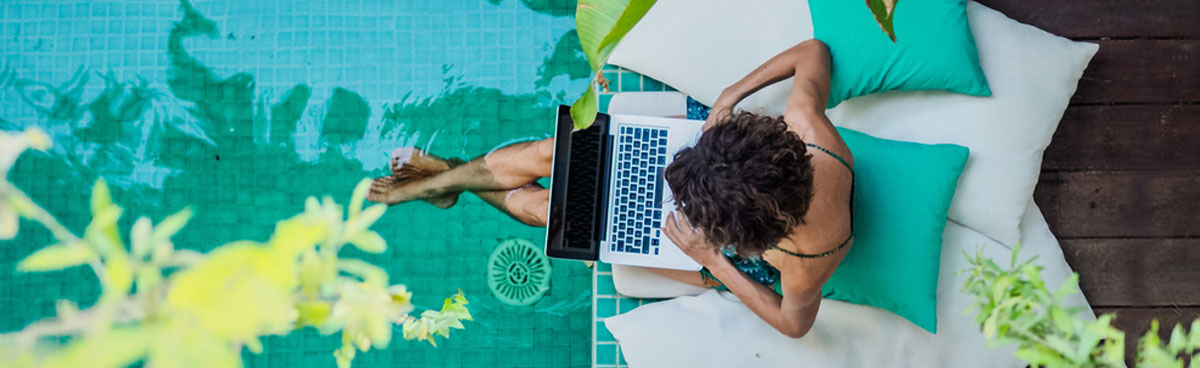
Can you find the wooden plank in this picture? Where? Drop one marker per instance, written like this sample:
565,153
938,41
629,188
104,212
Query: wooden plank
1106,18
1121,204
1136,272
1142,71
1126,137
1136,321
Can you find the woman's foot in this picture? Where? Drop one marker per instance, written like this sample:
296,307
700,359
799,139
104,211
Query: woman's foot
409,162
409,165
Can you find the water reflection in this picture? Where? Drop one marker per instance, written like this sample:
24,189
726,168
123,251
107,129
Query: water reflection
244,158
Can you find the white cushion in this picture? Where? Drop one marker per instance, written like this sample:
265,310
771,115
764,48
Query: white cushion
663,104
714,329
702,46
1032,75
638,282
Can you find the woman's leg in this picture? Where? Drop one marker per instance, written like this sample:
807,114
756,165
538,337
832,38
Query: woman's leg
529,204
505,168
687,277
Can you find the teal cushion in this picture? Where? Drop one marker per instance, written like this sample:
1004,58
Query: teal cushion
934,48
902,191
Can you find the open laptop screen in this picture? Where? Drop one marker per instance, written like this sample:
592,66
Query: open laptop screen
578,188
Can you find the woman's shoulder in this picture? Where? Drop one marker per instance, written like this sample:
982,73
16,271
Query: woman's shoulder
798,273
818,131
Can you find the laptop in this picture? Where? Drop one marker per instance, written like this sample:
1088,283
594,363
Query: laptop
608,198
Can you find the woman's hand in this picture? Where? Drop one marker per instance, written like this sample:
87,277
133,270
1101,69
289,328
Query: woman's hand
719,112
690,240
716,116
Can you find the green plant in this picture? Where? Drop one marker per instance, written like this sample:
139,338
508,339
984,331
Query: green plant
1015,306
601,24
883,10
175,307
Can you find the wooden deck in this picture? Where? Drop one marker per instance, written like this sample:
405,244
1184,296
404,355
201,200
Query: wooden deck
1120,182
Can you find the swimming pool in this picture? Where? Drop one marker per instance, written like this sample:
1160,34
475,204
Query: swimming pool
241,109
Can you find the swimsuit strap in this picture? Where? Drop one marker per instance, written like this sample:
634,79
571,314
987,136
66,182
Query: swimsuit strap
818,255
845,242
839,158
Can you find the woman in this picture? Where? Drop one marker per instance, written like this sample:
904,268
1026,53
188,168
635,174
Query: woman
768,219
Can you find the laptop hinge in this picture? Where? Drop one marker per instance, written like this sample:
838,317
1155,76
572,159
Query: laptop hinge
600,233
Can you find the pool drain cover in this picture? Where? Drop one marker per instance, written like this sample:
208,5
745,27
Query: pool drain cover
518,272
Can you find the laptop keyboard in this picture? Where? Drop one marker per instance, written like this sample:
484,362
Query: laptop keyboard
641,156
583,197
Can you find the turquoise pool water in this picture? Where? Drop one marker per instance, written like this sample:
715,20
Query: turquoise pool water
241,109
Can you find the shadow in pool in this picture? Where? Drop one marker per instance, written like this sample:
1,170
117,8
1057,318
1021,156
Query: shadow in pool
244,159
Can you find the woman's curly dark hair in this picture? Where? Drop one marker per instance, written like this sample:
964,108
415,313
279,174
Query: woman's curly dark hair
747,183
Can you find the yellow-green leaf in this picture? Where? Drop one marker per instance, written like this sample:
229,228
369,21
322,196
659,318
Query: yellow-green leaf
369,273
366,218
239,291
1151,336
1178,340
163,252
1059,345
1194,339
1064,323
369,241
254,345
102,232
312,274
601,24
9,223
115,348
295,236
345,355
22,205
148,277
400,294
311,205
418,329
594,20
989,327
66,309
171,225
120,275
583,111
1016,250
56,257
1067,287
630,16
182,343
360,193
457,306
1040,355
312,313
101,198
139,237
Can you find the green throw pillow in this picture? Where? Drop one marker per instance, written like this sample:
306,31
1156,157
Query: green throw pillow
902,191
934,48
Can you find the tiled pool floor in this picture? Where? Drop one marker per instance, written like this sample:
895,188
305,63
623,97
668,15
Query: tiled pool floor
241,109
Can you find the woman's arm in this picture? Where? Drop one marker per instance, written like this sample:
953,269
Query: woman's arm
791,314
808,62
